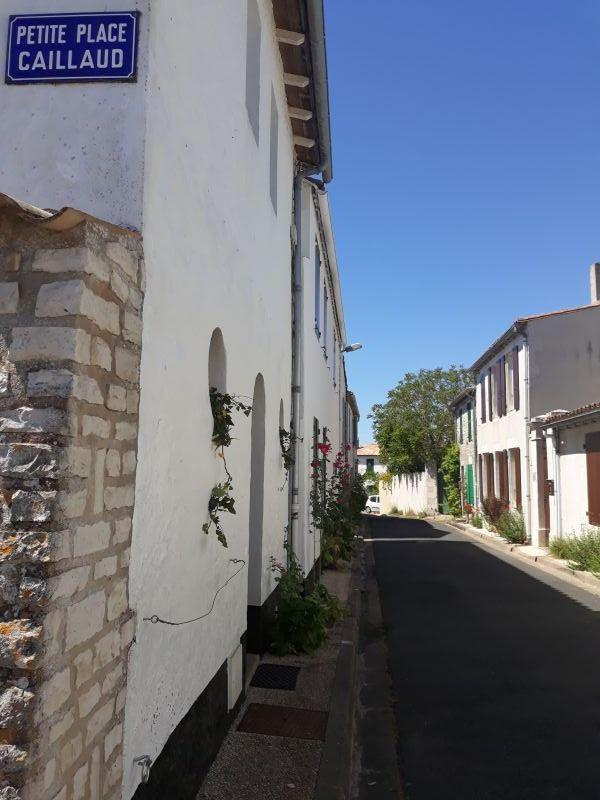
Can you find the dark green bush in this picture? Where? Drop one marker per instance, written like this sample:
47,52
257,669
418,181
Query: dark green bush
476,521
493,508
450,469
301,618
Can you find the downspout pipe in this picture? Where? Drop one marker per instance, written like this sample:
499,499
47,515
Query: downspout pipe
318,49
297,355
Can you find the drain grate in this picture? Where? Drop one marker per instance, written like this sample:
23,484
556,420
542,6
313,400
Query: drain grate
297,723
275,676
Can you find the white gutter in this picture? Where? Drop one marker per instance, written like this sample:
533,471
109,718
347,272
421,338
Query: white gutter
527,430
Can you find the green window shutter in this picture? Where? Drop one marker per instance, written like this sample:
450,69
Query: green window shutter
470,485
461,426
469,432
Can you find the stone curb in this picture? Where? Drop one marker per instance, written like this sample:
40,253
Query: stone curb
335,769
549,564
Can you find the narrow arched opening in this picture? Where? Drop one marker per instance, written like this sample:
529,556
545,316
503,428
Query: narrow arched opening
256,514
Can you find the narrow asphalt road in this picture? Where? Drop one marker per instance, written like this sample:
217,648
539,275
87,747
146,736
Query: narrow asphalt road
495,672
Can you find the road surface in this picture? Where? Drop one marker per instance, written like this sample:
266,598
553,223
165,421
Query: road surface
495,670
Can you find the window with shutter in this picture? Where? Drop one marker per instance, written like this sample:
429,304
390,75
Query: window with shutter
469,430
482,397
460,427
490,394
515,378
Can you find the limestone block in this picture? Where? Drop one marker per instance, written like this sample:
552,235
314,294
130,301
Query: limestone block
27,461
12,758
127,364
98,504
91,539
119,286
72,259
80,783
126,431
83,667
32,590
117,600
122,530
25,547
9,298
116,399
53,633
17,640
127,633
106,650
66,344
33,420
129,462
74,298
135,298
124,258
77,461
71,752
124,558
89,700
95,426
69,583
113,740
10,582
120,702
55,692
105,568
72,504
16,707
100,354
113,463
63,383
60,728
31,506
99,721
118,497
132,328
112,680
85,619
133,401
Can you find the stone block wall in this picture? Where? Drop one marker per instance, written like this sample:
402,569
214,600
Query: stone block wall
70,341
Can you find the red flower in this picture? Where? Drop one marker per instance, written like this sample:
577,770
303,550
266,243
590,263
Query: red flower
324,448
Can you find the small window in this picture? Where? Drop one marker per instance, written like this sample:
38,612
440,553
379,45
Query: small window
370,465
253,37
274,149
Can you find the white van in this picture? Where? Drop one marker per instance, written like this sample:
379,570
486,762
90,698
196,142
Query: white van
372,506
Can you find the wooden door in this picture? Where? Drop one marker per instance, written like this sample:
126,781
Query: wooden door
592,448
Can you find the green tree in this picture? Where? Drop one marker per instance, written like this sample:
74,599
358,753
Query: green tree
450,469
415,425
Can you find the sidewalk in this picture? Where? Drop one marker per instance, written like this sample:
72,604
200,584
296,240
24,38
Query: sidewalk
302,751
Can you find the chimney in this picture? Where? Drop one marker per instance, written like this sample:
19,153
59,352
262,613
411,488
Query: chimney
595,284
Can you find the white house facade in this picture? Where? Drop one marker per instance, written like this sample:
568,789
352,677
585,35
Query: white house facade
572,452
540,364
194,251
368,459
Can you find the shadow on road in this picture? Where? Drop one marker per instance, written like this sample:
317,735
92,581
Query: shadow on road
495,674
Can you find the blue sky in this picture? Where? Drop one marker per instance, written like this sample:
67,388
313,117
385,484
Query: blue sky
466,191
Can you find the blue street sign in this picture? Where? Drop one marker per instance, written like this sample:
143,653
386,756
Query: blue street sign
57,48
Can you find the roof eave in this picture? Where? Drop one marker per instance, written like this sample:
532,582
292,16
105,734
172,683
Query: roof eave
515,329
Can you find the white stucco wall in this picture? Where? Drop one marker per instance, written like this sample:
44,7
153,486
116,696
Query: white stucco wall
320,398
569,472
217,255
509,431
565,360
416,492
362,464
80,145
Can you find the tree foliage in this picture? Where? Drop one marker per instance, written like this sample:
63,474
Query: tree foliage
415,425
450,469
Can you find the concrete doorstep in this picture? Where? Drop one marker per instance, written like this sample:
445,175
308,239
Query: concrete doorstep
261,766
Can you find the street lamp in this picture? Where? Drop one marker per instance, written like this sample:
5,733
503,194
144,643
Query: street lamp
351,348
